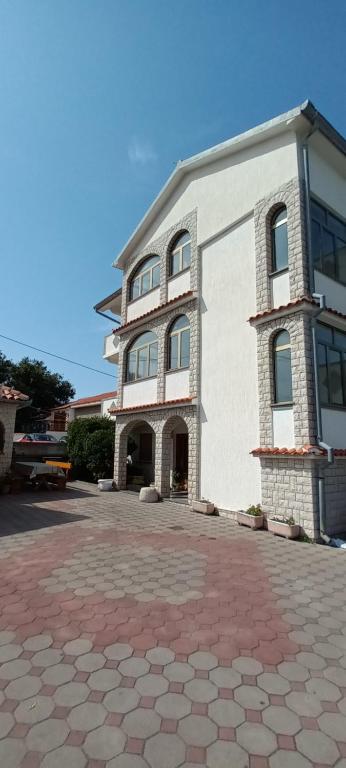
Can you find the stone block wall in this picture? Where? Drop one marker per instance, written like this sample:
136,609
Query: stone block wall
335,494
7,419
289,488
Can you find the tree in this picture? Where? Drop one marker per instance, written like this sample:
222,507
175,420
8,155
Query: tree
90,447
45,389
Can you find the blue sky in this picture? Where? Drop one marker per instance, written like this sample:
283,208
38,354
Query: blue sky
99,100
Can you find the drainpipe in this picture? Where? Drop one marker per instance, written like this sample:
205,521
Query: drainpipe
322,304
103,314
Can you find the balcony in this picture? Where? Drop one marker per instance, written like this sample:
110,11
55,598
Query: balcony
111,348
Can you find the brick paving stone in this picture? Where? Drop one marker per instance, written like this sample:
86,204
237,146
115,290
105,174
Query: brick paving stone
71,757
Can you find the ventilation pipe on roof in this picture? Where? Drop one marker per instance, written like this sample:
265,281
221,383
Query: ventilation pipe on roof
322,303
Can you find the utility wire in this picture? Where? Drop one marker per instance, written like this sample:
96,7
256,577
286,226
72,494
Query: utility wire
59,357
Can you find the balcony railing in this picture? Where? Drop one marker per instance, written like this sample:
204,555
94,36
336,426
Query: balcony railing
111,348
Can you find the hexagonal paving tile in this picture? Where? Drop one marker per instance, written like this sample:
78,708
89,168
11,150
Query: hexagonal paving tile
179,672
12,752
197,730
47,735
202,691
165,750
141,723
323,689
247,666
11,670
151,685
334,725
77,647
293,671
226,754
104,743
251,697
122,700
86,717
47,657
160,655
134,667
59,674
226,713
304,704
272,683
281,720
317,747
334,674
71,694
173,706
118,651
71,757
90,662
9,652
38,643
23,687
203,660
35,709
256,739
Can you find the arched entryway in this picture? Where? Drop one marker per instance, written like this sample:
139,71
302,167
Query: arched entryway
175,458
140,455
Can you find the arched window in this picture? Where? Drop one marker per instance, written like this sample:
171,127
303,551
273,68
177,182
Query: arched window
2,437
179,344
279,240
142,357
180,255
282,367
146,277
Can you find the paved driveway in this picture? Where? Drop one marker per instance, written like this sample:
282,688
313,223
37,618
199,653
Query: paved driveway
136,636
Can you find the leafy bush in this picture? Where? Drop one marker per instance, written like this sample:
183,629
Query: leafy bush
90,447
255,511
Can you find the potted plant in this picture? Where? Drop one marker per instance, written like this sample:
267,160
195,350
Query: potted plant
203,505
252,517
284,526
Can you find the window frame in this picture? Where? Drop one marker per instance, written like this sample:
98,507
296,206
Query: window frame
137,350
274,350
274,225
335,347
329,227
142,272
178,249
178,333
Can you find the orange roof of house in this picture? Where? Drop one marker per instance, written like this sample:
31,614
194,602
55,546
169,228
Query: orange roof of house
92,399
306,450
8,394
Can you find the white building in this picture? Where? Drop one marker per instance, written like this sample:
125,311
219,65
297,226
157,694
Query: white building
220,334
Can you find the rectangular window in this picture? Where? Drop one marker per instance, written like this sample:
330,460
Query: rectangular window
153,355
132,366
142,372
173,361
280,248
156,276
332,366
185,348
175,263
186,255
328,236
135,289
145,282
283,376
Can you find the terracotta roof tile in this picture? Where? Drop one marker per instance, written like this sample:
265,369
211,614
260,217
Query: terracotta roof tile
306,450
8,394
91,399
152,406
290,305
188,294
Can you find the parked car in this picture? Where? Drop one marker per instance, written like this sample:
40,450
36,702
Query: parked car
36,437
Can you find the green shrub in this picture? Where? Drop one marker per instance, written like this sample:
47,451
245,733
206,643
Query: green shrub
255,511
90,447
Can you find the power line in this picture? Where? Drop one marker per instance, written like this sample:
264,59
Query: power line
59,357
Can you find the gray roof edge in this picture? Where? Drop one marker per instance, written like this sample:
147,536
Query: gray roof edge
271,127
107,299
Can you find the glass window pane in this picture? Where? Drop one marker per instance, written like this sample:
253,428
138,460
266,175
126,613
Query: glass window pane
340,339
175,263
142,371
186,256
317,212
281,216
282,339
135,289
325,334
283,376
185,349
280,247
335,377
336,226
145,338
153,355
322,373
182,240
156,276
328,258
316,244
146,264
173,352
145,282
131,366
341,260
181,322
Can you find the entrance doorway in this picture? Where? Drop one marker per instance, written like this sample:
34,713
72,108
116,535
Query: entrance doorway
140,456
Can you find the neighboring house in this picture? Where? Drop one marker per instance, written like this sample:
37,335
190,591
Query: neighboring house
10,400
95,405
220,334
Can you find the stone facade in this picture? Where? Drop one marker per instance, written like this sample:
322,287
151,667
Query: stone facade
335,494
7,421
289,488
290,195
161,421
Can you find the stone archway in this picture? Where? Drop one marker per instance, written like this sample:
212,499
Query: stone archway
135,454
176,466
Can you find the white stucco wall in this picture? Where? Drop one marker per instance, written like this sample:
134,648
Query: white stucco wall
177,385
230,476
106,404
144,304
334,427
280,285
327,174
283,428
140,392
334,292
178,285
